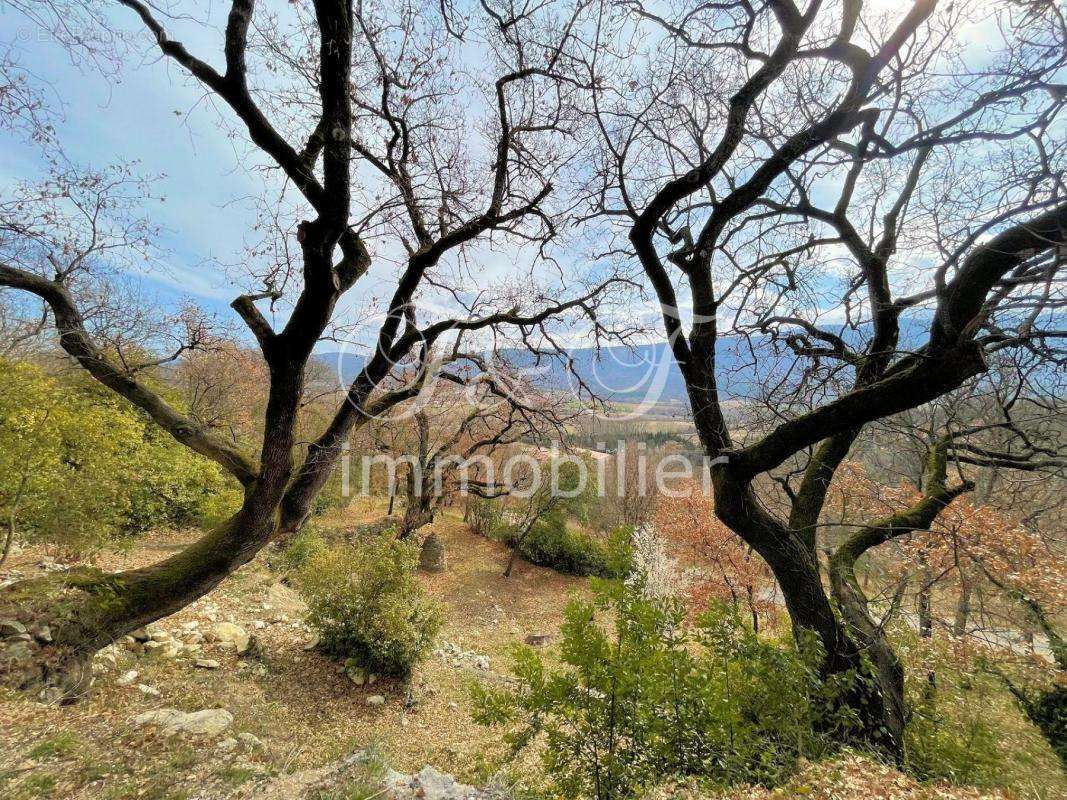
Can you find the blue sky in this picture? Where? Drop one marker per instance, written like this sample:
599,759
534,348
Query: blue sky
151,113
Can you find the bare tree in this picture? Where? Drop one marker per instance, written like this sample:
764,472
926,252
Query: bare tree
855,186
456,435
364,125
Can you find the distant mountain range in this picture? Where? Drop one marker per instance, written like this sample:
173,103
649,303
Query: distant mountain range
620,374
644,372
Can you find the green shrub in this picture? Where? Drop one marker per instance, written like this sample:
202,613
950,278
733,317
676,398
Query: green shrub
296,554
653,698
484,517
366,604
551,544
966,728
81,469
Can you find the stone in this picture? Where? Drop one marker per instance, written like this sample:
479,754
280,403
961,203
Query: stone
50,695
227,745
152,647
334,779
207,723
231,635
356,675
150,691
250,741
140,635
42,633
207,663
538,639
432,554
11,627
17,659
375,700
435,785
126,678
285,600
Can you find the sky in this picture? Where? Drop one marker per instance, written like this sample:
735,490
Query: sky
150,112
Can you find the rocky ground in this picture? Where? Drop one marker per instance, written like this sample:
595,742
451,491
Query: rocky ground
230,699
230,693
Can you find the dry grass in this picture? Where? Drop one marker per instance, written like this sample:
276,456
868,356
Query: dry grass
304,710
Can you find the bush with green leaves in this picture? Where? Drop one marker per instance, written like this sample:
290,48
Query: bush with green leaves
484,516
550,543
367,605
81,468
295,555
649,697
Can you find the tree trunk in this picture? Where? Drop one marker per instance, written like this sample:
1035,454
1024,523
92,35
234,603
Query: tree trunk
963,606
511,562
870,638
877,701
87,609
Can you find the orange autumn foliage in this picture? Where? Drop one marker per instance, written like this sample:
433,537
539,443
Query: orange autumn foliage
724,567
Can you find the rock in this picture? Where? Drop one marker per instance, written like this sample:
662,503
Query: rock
313,641
11,627
434,785
50,695
207,723
432,554
126,678
17,663
42,633
227,745
538,639
250,741
259,624
357,677
150,691
229,634
285,600
140,635
375,700
207,663
334,779
152,647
